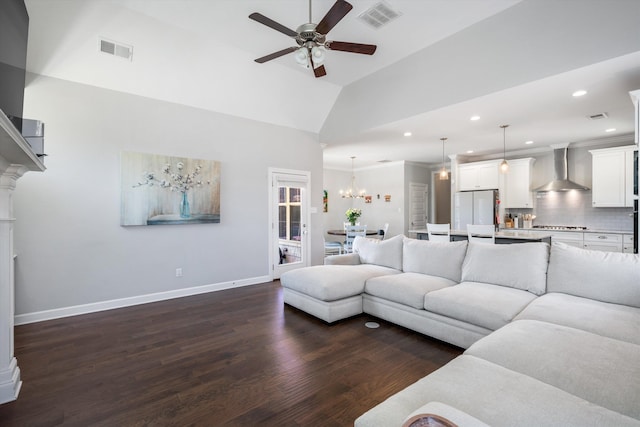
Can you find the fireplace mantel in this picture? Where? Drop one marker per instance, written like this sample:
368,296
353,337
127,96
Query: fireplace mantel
16,158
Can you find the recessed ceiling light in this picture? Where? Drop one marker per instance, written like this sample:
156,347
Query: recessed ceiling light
408,134
528,142
469,151
474,118
580,92
610,130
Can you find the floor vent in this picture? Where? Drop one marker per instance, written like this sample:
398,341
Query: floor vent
379,15
598,116
118,49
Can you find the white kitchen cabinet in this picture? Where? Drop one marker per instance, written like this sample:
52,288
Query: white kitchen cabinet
612,175
608,242
627,243
517,184
478,176
572,238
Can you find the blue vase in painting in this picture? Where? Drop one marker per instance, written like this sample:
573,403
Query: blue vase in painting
185,211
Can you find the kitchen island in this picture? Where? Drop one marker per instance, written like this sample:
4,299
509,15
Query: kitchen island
502,236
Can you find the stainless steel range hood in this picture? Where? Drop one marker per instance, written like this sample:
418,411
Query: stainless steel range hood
561,180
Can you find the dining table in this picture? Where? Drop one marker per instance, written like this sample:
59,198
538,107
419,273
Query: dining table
342,232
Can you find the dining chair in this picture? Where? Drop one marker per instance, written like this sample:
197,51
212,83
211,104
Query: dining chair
332,248
439,232
385,229
481,233
354,231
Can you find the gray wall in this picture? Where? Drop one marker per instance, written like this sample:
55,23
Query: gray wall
71,249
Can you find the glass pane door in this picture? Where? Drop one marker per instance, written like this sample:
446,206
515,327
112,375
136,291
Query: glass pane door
290,244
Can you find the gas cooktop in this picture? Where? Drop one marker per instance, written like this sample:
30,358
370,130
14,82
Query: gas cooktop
560,227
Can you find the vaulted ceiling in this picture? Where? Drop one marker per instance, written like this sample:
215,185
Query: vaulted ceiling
442,61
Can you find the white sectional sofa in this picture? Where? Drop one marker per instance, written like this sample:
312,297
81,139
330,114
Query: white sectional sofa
552,335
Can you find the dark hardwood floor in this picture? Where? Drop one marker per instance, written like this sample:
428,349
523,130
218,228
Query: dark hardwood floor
229,358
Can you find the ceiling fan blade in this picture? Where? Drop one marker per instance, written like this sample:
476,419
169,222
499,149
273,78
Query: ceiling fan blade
365,49
320,71
275,55
258,17
335,15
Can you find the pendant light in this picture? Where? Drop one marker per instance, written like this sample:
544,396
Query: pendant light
504,166
443,173
353,192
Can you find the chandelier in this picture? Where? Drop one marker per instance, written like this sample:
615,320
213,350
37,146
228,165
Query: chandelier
353,192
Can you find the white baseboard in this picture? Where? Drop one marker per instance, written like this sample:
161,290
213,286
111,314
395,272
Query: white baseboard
39,316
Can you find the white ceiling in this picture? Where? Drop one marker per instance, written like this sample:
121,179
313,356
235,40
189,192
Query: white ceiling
543,111
200,53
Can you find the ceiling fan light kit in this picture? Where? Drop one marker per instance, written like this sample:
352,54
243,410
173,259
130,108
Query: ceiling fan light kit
302,57
311,39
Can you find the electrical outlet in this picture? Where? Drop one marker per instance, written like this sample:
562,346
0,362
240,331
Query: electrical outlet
179,272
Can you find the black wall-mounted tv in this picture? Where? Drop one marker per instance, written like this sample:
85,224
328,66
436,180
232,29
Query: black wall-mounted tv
14,33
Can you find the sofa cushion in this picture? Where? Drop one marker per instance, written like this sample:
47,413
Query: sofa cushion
610,320
387,253
332,282
481,304
595,368
406,288
434,258
520,266
603,276
496,396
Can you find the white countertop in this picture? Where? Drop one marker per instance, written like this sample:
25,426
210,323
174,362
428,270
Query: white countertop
525,234
573,231
509,232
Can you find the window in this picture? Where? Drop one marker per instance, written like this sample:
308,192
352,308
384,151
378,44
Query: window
289,213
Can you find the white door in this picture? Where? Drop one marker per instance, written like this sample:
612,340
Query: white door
289,219
417,206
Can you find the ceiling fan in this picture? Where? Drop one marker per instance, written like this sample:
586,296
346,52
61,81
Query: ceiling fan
311,38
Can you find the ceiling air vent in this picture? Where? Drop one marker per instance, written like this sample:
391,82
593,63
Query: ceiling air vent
598,116
379,15
116,49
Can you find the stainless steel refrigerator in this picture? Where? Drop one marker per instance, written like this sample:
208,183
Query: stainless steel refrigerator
474,207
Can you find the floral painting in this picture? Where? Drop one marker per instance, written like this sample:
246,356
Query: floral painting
162,190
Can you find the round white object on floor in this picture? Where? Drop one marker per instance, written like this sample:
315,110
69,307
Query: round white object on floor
372,325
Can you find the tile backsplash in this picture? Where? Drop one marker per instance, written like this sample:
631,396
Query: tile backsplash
573,208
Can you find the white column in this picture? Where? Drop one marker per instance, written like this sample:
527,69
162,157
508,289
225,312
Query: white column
454,185
9,372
